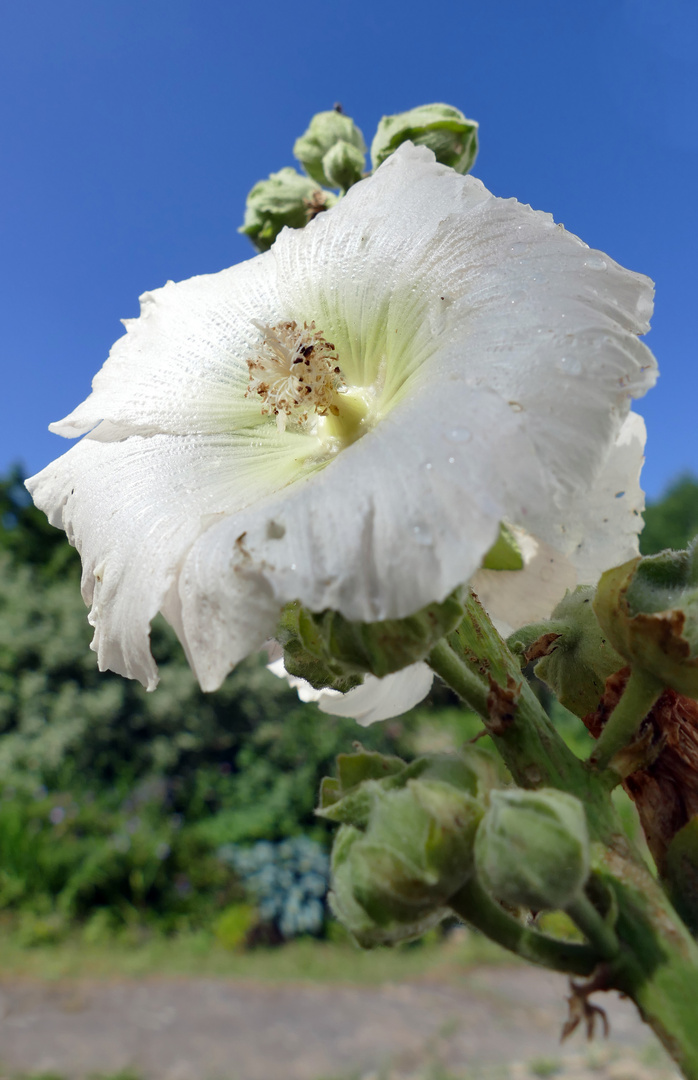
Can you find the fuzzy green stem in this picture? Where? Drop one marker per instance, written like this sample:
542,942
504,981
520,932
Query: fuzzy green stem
640,694
477,908
444,661
594,927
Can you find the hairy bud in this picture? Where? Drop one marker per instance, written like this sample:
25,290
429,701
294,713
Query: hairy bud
532,848
286,199
317,149
443,128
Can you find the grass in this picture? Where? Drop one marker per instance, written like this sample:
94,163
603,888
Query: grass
200,955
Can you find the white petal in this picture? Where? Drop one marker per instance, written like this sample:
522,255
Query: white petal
374,700
377,534
381,699
181,367
603,530
133,508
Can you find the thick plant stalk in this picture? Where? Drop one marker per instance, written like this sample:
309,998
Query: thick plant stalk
657,960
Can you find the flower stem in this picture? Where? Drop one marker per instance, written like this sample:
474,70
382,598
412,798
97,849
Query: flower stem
478,909
641,692
594,927
443,660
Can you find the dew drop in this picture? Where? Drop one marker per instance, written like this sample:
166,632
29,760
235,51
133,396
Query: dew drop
428,466
459,435
515,406
595,262
570,365
451,460
421,534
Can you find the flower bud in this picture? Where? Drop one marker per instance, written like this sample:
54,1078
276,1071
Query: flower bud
580,656
313,148
343,165
286,198
326,646
416,851
648,607
350,912
442,128
532,848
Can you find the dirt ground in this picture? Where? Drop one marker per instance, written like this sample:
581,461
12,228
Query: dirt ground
208,1029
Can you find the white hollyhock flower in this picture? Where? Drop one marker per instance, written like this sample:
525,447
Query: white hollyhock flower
464,362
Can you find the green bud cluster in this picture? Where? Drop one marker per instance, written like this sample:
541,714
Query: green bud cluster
442,128
333,154
648,607
406,840
328,650
532,848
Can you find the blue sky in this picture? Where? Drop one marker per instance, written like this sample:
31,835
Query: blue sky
131,131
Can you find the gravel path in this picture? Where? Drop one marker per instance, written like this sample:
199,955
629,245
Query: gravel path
206,1029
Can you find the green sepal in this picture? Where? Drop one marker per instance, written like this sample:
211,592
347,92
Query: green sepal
505,553
579,658
328,650
349,799
442,128
325,131
305,655
286,198
648,607
353,769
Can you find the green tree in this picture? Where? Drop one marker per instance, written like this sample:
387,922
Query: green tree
673,520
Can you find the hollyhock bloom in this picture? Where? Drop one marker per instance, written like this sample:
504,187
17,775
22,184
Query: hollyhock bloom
346,419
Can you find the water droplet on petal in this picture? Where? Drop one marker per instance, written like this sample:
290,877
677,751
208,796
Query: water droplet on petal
428,465
451,460
570,365
515,406
421,534
595,262
459,435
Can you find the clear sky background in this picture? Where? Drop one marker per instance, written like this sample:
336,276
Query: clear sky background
131,131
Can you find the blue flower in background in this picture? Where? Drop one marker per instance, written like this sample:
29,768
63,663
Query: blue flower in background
288,881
